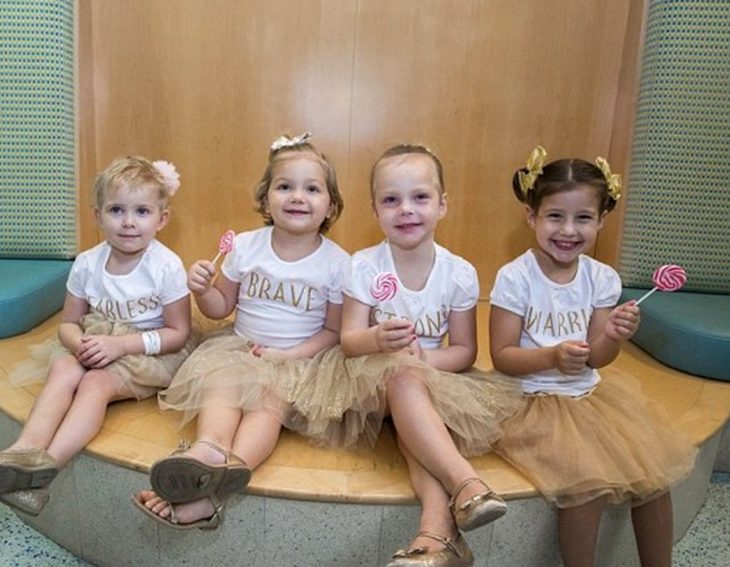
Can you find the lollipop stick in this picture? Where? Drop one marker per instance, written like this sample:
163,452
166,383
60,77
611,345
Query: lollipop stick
216,257
647,294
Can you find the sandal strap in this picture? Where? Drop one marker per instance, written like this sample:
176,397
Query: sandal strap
458,490
229,456
445,541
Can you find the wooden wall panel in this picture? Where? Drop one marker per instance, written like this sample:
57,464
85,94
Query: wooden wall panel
211,83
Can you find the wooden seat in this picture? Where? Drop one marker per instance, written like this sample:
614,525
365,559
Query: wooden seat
135,434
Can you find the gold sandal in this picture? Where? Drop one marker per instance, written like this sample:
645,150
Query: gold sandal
478,510
29,468
181,478
210,523
454,554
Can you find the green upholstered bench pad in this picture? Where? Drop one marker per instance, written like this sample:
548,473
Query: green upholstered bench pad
37,136
678,196
687,331
30,292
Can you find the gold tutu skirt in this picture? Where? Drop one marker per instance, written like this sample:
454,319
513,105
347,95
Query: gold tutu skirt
343,403
223,372
614,442
142,374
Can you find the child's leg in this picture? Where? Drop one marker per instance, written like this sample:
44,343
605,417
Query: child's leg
423,432
256,437
578,532
435,514
85,417
654,530
52,404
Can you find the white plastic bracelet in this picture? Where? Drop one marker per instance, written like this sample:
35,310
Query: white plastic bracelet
152,342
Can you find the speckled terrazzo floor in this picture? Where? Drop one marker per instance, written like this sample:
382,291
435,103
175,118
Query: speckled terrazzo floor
706,544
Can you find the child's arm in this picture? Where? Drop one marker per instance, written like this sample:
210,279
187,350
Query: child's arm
98,351
69,331
215,301
358,338
607,329
508,357
461,352
327,337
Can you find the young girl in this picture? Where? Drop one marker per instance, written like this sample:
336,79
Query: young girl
405,296
124,331
584,442
284,282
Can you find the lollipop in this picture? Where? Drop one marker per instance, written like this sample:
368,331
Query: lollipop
225,244
669,277
384,287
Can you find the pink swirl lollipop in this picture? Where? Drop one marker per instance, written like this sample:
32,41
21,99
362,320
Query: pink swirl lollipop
384,287
225,244
669,277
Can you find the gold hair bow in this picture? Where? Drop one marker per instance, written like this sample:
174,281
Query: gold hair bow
534,169
612,179
286,141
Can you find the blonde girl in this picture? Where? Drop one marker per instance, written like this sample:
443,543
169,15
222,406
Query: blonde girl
125,329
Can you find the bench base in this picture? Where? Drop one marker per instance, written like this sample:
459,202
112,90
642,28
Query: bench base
90,509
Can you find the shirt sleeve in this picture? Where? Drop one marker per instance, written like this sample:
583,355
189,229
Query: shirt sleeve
229,268
361,276
510,290
466,287
607,288
77,278
174,281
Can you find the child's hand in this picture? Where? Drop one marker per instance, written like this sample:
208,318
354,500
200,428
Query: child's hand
200,276
571,356
623,321
415,349
272,353
394,334
98,351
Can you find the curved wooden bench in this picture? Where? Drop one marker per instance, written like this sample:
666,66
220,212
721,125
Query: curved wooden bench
135,434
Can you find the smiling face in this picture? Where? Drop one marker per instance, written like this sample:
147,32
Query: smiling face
566,225
130,219
297,198
407,199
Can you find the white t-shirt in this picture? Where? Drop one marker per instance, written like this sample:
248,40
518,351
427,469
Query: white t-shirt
281,304
552,313
451,286
136,298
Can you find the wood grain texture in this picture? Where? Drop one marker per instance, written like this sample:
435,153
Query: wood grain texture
211,83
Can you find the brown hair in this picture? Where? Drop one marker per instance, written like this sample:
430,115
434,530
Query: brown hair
132,172
275,156
563,175
405,149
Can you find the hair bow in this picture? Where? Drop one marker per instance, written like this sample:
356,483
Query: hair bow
286,141
613,180
534,169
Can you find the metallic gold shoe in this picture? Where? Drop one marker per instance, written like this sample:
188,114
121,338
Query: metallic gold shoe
478,510
30,501
455,554
29,468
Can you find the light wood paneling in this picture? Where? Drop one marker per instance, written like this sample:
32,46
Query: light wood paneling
210,83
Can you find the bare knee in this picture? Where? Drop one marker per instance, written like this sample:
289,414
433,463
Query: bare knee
66,370
99,384
405,383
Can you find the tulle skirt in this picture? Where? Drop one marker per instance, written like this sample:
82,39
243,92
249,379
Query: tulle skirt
224,373
143,375
343,403
614,442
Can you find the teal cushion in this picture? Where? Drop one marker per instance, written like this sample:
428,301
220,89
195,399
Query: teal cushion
30,292
687,331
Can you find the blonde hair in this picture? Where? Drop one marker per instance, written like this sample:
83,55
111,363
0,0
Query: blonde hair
132,172
330,177
407,149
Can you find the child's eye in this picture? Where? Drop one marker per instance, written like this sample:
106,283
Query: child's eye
144,211
115,209
389,200
423,196
313,188
554,216
282,187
